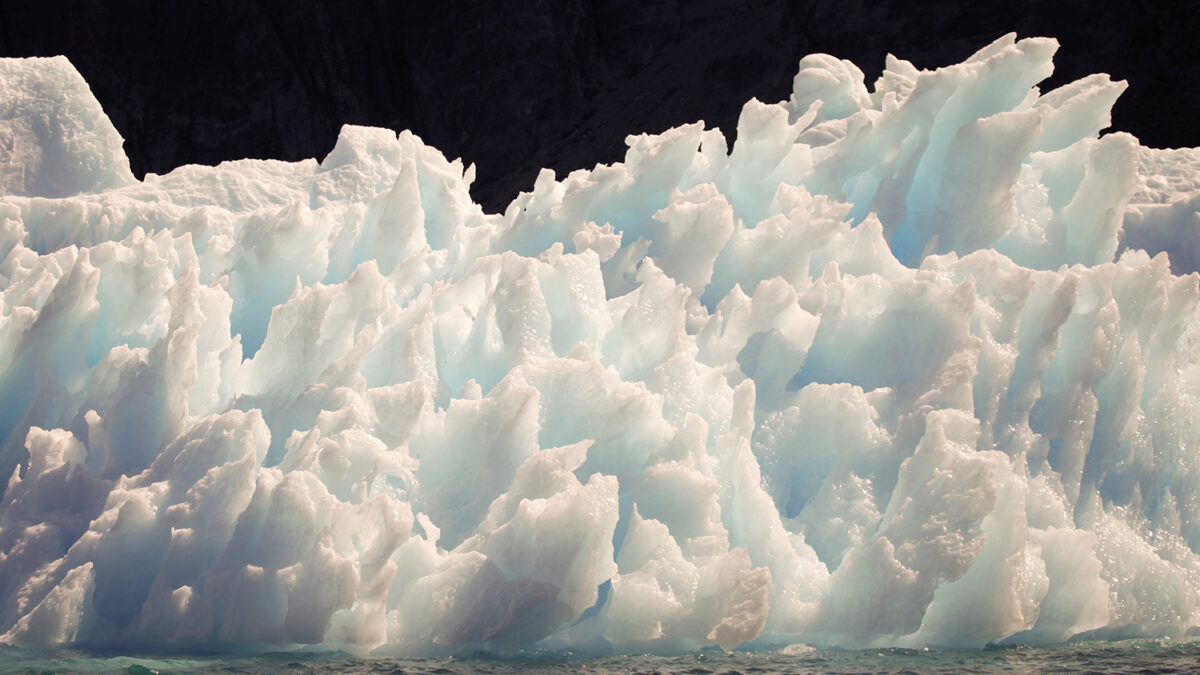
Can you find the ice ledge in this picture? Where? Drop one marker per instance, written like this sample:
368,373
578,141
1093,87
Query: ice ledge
55,140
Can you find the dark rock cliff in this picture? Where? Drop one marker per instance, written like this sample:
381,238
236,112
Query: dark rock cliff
517,85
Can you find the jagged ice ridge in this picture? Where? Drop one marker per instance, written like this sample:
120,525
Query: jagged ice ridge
915,365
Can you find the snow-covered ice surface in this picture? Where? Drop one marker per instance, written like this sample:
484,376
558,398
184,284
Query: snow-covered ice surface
907,366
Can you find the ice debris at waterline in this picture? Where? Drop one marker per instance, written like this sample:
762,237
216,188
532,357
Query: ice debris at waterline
910,366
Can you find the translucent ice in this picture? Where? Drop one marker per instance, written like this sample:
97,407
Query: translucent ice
915,364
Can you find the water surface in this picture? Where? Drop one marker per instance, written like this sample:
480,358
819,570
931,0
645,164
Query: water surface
1138,656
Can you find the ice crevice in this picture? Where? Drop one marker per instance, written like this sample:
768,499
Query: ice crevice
914,364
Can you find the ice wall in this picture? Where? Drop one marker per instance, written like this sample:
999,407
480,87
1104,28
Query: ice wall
914,365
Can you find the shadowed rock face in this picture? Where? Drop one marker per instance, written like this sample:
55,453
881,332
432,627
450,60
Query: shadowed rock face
515,86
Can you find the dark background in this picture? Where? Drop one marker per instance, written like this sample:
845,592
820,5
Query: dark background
514,86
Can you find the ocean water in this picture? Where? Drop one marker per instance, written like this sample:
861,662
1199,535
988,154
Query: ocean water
1136,656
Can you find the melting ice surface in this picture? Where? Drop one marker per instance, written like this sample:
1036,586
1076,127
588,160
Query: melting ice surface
908,366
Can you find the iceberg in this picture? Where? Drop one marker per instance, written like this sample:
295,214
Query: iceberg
910,365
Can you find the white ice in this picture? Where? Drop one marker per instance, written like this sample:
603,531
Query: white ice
911,365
